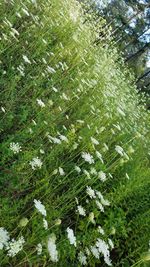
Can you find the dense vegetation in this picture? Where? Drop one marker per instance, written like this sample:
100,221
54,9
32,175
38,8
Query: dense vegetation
74,142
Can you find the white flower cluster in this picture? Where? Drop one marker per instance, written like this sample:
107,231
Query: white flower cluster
4,237
87,157
36,163
81,210
15,147
40,207
103,248
52,249
71,236
14,246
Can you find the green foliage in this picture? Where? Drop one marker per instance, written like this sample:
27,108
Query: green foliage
63,96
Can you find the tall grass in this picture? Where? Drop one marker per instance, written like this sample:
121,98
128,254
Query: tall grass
75,136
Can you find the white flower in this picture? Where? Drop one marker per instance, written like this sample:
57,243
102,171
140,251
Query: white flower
102,176
45,224
50,70
81,210
15,147
119,150
40,103
36,163
94,141
2,108
95,252
99,205
61,171
91,217
14,246
26,60
100,230
105,202
4,237
52,249
90,192
40,207
82,258
71,236
110,243
77,169
39,249
87,157
104,249
63,138
87,174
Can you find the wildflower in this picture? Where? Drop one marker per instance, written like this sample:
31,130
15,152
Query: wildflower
52,248
15,147
82,258
50,70
4,237
110,243
102,176
99,205
58,222
105,202
63,138
61,171
23,222
71,236
104,249
91,217
94,141
40,103
45,224
39,249
95,252
26,60
93,171
81,210
119,150
36,163
14,246
90,192
87,174
87,157
77,169
3,110
100,230
98,154
40,207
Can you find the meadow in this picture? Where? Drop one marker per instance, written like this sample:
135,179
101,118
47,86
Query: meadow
74,142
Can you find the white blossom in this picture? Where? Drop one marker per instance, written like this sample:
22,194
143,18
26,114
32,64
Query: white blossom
81,210
39,249
15,147
77,169
61,171
52,249
45,224
4,237
95,252
104,249
26,60
14,246
40,207
90,192
71,236
99,205
102,176
94,141
40,103
87,157
119,150
36,163
100,230
82,258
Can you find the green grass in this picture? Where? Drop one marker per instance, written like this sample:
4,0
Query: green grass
96,97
